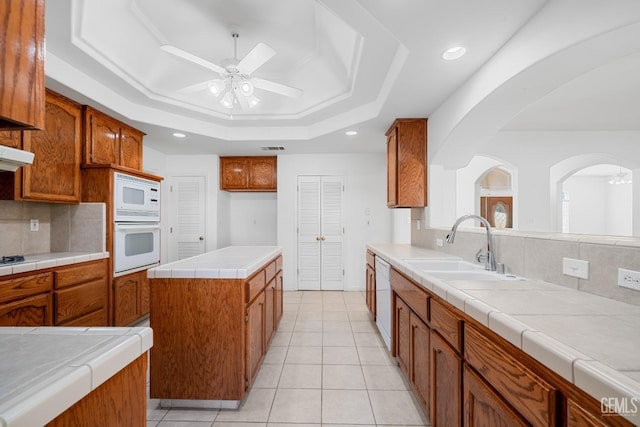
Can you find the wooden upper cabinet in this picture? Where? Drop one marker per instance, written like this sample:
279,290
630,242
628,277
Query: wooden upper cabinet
108,141
55,172
11,138
131,147
54,175
22,89
407,163
248,173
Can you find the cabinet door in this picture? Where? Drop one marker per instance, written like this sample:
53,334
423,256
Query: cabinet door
31,311
446,383
392,168
483,407
279,297
55,172
125,299
255,337
262,175
403,335
234,173
102,138
420,337
371,290
11,138
270,311
144,296
22,64
131,148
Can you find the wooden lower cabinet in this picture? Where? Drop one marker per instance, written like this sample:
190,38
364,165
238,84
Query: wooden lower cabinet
446,383
119,401
81,295
464,374
210,335
420,337
11,138
31,311
483,407
402,317
255,336
130,298
370,290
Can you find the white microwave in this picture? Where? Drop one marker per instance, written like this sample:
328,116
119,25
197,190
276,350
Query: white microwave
135,199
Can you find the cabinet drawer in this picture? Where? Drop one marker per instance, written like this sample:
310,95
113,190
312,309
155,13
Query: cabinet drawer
412,294
79,300
255,285
270,271
371,259
279,263
529,394
97,318
24,286
446,324
80,274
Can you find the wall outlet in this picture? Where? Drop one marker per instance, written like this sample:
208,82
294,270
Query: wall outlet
34,225
629,279
575,267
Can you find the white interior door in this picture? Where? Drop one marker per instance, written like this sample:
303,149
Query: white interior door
187,217
320,233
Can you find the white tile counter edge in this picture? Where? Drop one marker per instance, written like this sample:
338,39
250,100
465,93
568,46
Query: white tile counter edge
231,262
595,378
42,261
44,401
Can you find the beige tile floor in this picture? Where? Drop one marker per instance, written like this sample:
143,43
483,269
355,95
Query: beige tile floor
326,366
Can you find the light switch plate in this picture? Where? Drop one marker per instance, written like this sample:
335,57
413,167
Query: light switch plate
575,267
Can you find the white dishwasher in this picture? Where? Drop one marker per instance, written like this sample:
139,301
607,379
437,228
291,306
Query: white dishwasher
383,300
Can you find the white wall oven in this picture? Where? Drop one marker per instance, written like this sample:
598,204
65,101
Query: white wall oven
136,240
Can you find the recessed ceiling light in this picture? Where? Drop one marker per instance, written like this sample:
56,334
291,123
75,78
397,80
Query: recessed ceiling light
351,132
179,135
453,53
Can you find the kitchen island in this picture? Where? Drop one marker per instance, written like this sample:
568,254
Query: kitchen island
63,376
526,351
213,317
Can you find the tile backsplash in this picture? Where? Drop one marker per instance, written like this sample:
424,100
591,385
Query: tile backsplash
539,256
61,228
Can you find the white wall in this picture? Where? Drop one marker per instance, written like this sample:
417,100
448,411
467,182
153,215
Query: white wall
253,219
169,166
365,192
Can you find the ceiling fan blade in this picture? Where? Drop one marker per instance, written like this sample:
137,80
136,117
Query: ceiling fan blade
192,58
278,88
196,87
260,54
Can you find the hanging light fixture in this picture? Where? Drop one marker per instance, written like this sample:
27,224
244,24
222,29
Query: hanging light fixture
620,178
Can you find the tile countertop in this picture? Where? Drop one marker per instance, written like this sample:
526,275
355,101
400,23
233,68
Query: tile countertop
232,262
49,260
591,341
45,370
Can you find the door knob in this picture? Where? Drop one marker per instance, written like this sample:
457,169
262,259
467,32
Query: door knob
201,238
322,238
318,238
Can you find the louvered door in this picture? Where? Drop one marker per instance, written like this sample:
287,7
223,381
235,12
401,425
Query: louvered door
320,233
186,231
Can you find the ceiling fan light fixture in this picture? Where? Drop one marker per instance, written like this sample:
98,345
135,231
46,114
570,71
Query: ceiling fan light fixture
253,100
246,88
454,53
216,87
227,100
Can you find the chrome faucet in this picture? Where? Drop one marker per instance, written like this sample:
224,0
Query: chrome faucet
490,259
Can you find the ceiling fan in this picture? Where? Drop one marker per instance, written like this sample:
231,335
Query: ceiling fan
236,85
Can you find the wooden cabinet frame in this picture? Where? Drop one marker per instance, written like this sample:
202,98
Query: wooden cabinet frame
257,173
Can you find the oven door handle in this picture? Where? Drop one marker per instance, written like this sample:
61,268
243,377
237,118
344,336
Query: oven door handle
129,227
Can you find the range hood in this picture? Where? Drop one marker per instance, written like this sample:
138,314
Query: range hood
11,159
